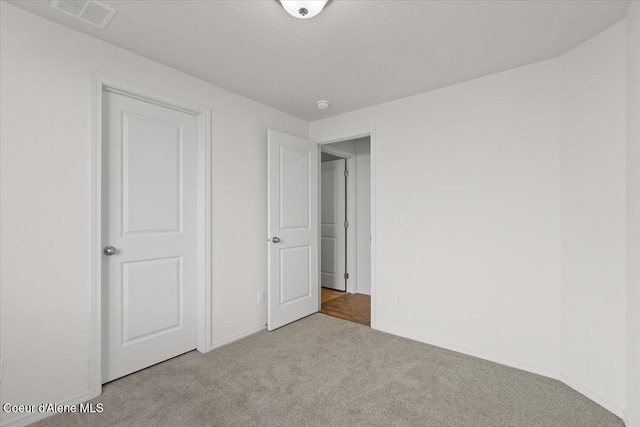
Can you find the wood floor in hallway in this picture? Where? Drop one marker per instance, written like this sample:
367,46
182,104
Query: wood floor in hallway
352,307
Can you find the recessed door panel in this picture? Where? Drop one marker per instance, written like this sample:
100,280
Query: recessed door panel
294,183
328,197
161,278
151,174
295,266
328,258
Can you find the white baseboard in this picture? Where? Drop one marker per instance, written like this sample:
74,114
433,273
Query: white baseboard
27,419
363,291
596,397
237,337
518,364
627,420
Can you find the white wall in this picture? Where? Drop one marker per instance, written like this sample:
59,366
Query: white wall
592,181
632,417
492,159
46,103
363,180
486,172
474,168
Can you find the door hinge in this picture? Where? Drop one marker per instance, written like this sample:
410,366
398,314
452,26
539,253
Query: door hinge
346,224
346,275
346,172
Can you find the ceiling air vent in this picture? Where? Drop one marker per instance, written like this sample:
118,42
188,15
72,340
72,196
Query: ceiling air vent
89,11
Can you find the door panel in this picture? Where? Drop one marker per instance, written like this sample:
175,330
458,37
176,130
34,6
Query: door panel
293,229
295,282
161,278
294,184
150,214
333,234
151,187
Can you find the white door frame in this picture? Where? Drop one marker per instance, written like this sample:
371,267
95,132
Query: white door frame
352,207
103,82
345,136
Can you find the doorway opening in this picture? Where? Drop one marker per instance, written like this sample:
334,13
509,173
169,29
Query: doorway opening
345,229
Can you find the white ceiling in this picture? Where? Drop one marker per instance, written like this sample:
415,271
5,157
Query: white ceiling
355,53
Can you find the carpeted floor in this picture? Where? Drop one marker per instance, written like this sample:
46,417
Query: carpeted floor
323,371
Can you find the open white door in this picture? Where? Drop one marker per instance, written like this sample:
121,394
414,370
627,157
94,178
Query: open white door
333,231
293,228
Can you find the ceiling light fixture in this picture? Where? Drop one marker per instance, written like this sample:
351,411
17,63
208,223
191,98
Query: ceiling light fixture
303,9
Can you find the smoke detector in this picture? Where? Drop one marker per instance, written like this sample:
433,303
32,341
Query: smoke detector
323,104
89,11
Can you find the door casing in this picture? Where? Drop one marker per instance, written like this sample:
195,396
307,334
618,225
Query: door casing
102,82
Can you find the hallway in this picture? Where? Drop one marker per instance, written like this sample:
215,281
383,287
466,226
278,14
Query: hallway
347,306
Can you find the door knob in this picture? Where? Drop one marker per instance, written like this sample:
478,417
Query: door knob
275,239
109,250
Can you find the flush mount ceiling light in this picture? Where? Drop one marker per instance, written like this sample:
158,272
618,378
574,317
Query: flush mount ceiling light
323,104
303,9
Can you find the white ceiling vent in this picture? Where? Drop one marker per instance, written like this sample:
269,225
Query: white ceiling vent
89,11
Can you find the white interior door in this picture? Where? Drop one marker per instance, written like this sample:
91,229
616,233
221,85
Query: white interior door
293,228
333,215
150,213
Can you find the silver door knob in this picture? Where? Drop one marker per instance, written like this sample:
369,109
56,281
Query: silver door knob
275,239
109,250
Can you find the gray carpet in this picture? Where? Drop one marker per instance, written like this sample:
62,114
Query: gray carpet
323,371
